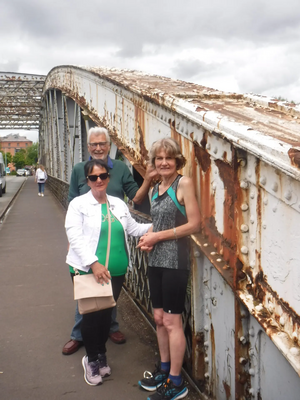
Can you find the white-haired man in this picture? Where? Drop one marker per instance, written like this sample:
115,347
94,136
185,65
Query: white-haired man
121,182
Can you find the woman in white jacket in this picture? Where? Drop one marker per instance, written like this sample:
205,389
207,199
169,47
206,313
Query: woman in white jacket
87,230
40,178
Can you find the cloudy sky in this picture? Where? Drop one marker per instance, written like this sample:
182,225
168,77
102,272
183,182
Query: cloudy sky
238,46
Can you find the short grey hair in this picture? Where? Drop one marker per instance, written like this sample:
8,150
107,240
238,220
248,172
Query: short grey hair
97,130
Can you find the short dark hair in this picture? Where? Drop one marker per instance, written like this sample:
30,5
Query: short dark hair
89,166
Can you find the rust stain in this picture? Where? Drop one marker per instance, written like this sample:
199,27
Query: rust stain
202,156
294,155
227,390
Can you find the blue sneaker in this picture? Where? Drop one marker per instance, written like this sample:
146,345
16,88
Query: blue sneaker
168,391
154,380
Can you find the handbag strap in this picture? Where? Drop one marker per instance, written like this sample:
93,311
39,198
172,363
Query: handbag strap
109,235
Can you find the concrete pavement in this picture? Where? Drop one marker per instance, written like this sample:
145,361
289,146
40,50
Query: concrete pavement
37,314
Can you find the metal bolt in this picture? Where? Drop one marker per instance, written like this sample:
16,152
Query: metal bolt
265,202
206,328
206,375
244,185
214,301
244,207
243,340
215,150
219,259
244,250
252,392
275,186
208,146
252,195
242,162
205,244
288,195
244,228
263,180
206,344
252,371
251,332
206,359
243,361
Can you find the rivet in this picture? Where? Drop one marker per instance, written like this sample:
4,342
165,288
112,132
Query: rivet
251,372
244,228
206,296
244,207
215,286
252,195
275,186
243,340
295,351
252,264
265,202
274,209
243,360
244,185
206,375
242,162
281,321
206,328
244,250
206,359
251,332
219,259
251,352
252,219
208,146
226,267
206,344
252,238
264,225
213,253
197,254
205,244
207,312
214,301
288,195
263,180
252,391
215,150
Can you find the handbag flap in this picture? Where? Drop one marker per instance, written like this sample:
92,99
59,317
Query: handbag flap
85,286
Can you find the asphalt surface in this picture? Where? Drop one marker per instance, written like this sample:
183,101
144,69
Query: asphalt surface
37,311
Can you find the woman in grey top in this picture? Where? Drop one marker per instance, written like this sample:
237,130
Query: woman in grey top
175,214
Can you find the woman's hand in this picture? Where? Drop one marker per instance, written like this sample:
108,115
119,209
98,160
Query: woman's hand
147,241
101,274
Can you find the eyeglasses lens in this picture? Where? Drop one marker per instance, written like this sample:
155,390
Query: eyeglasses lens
103,177
94,145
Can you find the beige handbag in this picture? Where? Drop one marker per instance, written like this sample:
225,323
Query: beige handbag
91,295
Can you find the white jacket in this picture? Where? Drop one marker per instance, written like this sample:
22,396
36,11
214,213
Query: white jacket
83,227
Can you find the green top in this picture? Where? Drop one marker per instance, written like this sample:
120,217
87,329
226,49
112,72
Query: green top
118,257
121,181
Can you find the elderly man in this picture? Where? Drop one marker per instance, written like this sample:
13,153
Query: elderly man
121,182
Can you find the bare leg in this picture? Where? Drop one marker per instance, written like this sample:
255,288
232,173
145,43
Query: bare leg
176,339
162,335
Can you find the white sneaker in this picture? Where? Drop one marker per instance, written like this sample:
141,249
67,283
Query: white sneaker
91,372
104,369
42,194
39,194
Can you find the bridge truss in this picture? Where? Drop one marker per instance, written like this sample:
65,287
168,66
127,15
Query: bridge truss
242,316
20,100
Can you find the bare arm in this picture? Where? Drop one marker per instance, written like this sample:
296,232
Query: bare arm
144,189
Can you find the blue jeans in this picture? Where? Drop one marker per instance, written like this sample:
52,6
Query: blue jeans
41,187
76,331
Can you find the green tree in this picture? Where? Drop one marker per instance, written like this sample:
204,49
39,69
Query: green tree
19,159
31,154
8,157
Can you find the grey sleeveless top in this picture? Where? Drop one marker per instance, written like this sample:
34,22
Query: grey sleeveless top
167,213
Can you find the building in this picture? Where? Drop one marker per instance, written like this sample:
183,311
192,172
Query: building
13,143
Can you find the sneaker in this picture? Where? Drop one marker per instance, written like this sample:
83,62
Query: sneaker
39,194
42,194
168,391
104,369
154,380
91,372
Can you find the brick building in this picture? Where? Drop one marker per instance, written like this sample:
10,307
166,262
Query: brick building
13,143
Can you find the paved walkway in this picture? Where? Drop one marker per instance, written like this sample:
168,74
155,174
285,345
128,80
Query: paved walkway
37,314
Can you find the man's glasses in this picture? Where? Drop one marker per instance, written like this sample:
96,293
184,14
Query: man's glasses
100,144
103,177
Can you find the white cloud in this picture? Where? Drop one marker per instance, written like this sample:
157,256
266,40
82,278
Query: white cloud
234,46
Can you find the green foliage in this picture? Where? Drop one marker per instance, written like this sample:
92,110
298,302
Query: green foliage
13,172
8,157
31,154
19,159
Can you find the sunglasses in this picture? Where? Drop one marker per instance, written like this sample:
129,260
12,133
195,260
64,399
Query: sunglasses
103,177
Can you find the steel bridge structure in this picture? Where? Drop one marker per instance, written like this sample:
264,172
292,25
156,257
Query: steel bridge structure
243,153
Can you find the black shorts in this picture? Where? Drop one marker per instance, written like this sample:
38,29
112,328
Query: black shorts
168,288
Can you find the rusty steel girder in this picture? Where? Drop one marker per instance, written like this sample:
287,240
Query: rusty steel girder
20,100
243,154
